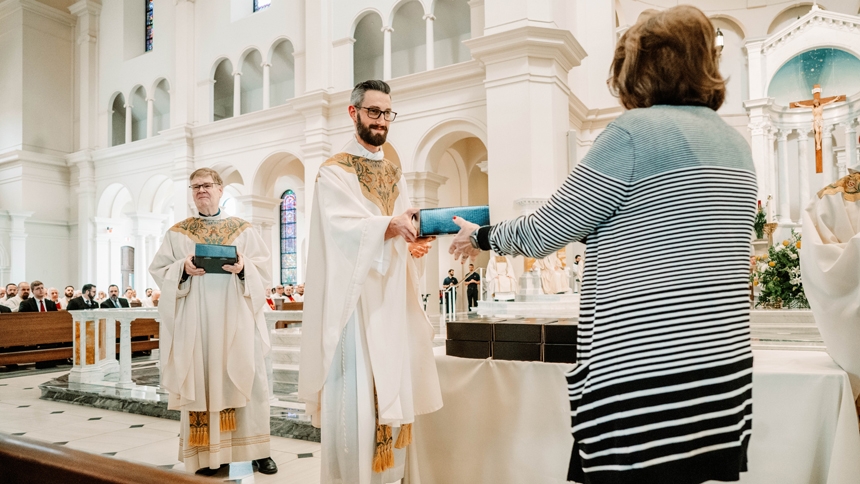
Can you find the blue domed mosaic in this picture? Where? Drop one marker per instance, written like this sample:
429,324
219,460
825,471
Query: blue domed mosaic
837,71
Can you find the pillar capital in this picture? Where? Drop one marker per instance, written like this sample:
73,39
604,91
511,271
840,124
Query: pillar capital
429,17
483,166
529,41
424,188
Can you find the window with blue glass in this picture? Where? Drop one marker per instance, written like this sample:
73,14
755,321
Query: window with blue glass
149,9
289,272
261,4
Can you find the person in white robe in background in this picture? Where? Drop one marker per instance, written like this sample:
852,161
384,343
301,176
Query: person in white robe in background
830,270
214,336
501,280
367,365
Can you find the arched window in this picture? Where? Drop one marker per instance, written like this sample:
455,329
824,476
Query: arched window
288,238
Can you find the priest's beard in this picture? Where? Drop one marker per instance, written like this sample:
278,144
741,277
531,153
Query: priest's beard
366,135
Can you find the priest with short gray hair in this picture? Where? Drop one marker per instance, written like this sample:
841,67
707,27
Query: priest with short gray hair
214,336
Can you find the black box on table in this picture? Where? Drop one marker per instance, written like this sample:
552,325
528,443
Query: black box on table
559,353
468,349
471,330
561,332
527,330
508,350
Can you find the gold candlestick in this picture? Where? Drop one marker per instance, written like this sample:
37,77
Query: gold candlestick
769,228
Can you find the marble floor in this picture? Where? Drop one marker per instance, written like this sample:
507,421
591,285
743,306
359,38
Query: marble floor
137,438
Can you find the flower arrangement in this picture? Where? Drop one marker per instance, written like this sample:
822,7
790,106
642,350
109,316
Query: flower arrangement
760,220
778,276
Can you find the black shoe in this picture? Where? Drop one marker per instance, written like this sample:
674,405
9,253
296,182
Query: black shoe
265,466
209,472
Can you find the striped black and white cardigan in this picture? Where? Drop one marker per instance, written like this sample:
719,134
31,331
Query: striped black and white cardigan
665,201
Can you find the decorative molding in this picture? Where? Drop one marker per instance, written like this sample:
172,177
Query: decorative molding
341,42
88,7
530,41
483,166
816,16
38,8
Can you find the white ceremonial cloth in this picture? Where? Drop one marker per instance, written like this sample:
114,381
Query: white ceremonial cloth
214,339
830,269
508,422
366,288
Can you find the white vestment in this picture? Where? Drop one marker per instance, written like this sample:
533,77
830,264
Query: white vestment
830,270
554,280
502,282
214,339
363,327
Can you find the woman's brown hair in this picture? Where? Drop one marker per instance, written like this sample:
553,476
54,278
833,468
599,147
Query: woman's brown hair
668,57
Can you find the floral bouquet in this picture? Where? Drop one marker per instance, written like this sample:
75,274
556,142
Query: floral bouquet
778,276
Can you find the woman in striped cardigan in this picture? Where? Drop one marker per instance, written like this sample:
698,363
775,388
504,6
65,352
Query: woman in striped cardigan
665,201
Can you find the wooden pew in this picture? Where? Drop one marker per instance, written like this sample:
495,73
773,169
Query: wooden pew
35,337
28,461
281,305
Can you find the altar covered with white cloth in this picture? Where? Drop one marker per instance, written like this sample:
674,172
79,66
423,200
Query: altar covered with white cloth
508,422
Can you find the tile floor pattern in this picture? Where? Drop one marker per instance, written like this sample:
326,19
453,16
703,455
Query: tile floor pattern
132,437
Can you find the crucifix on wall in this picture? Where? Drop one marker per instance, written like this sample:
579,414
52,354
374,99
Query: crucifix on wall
817,104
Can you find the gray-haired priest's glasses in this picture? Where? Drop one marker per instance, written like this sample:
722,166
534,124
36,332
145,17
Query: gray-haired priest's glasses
204,186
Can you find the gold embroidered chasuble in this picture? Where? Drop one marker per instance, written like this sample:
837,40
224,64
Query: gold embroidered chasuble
378,179
213,342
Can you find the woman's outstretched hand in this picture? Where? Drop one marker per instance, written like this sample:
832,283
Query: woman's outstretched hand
461,246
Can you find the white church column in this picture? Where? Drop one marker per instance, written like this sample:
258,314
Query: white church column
315,74
182,91
103,226
261,212
317,148
757,75
850,144
342,50
476,11
183,166
424,191
782,171
803,162
86,191
149,111
429,18
237,93
386,53
759,113
86,57
827,154
771,168
128,118
529,155
18,245
266,75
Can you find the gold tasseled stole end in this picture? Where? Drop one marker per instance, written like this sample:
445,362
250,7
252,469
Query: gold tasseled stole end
198,435
404,438
228,420
383,457
198,422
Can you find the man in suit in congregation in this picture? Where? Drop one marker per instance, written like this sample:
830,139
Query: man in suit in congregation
4,309
86,300
114,301
39,303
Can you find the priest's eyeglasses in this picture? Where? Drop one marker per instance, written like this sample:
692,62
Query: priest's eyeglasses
204,186
374,113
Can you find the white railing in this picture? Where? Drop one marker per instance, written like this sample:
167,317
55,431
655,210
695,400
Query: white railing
94,336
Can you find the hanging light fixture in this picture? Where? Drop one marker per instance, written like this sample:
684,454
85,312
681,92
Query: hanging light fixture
721,42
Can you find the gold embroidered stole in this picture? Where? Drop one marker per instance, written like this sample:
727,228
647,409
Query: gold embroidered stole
222,232
378,179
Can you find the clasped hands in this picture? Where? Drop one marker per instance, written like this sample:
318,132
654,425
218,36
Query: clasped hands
401,225
193,270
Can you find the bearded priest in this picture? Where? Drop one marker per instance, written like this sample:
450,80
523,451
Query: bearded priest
367,366
214,336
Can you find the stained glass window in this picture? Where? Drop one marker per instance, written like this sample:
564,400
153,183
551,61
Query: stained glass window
149,8
261,4
288,238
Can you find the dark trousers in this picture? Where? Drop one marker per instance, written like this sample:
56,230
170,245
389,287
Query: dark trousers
472,296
